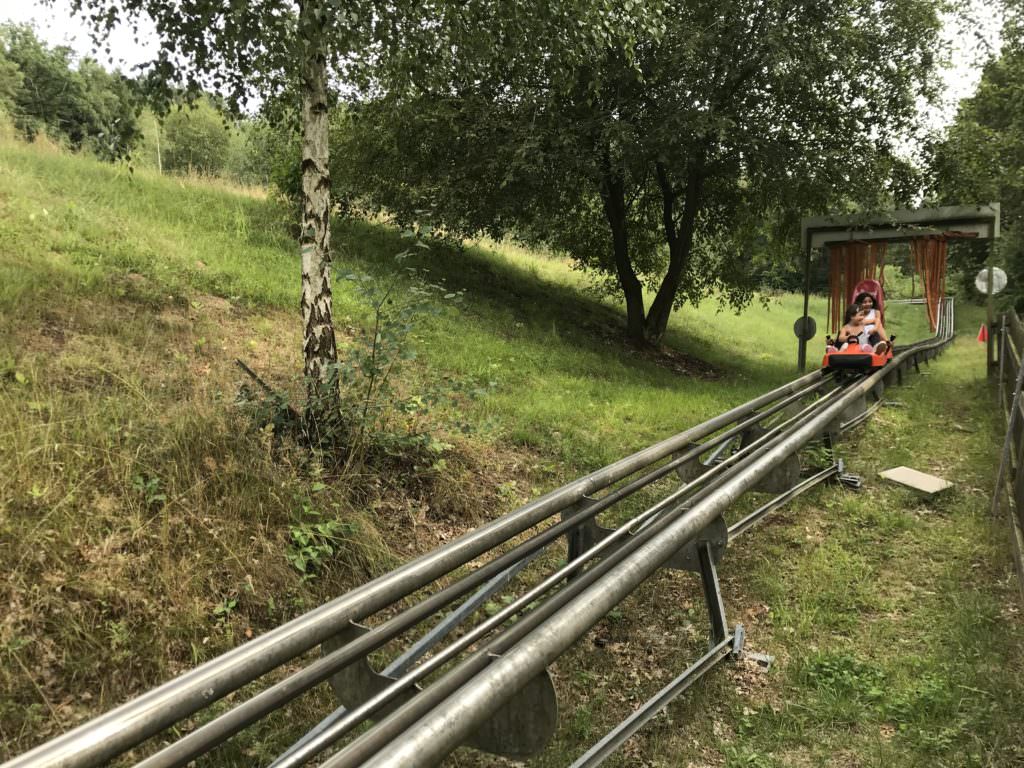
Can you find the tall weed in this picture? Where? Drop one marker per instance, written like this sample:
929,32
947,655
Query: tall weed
371,413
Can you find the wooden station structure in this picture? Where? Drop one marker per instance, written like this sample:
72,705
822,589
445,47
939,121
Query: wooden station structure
855,248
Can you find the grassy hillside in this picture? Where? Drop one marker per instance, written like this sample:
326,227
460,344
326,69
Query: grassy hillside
147,525
527,326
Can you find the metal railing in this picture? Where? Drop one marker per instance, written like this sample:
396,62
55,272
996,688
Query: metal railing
127,726
1010,476
472,684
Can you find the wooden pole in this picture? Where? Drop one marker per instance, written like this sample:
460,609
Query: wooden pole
801,355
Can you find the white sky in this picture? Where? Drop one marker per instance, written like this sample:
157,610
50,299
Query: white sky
968,52
56,26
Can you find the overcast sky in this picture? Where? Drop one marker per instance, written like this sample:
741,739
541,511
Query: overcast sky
56,26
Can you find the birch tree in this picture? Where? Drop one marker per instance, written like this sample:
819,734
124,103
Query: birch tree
281,48
268,49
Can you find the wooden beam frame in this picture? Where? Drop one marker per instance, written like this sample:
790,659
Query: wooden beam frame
974,221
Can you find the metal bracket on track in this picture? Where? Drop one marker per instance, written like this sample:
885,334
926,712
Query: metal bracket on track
848,479
784,475
589,532
700,556
521,728
696,466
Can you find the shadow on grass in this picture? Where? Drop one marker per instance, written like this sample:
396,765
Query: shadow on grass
503,294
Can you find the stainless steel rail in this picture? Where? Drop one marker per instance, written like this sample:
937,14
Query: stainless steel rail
435,720
669,506
447,724
391,727
130,724
222,728
379,739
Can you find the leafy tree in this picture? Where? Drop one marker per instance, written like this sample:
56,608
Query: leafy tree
195,138
254,150
282,49
981,157
113,103
662,162
85,105
11,82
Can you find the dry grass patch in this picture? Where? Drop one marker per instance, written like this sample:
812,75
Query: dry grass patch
146,524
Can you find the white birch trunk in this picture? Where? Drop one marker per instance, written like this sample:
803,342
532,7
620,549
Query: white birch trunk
318,343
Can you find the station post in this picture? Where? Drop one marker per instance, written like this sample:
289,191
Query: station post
801,359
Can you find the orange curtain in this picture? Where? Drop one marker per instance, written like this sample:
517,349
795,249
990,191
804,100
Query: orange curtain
878,253
849,263
930,263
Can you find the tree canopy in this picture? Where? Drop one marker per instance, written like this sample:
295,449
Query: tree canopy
655,143
274,50
44,89
664,157
981,157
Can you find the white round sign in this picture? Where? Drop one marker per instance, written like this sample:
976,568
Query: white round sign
998,280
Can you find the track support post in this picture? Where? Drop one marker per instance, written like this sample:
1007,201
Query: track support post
712,594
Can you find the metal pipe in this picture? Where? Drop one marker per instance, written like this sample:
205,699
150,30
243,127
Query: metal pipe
205,684
225,726
445,726
301,754
393,725
696,449
389,728
131,723
645,518
421,647
417,650
768,436
615,738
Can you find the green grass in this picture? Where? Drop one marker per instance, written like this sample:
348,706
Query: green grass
894,619
555,354
144,522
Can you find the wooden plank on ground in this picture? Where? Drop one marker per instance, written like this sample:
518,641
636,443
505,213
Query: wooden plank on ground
919,481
